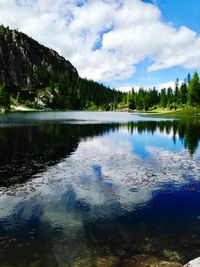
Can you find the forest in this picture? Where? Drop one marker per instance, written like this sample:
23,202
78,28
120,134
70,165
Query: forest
67,91
185,94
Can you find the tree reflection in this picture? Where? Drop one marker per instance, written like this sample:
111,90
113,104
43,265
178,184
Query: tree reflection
27,150
186,130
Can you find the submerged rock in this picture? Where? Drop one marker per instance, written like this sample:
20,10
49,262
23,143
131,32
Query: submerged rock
114,261
107,262
148,261
193,263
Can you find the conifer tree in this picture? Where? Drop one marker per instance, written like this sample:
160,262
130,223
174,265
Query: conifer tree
194,90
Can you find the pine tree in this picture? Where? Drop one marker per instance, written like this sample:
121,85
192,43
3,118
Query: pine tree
169,96
183,93
194,90
163,98
176,91
4,98
188,78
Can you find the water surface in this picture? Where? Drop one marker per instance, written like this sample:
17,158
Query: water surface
79,187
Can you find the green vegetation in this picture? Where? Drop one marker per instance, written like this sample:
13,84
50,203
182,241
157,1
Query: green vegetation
77,93
69,91
3,29
4,99
184,96
194,90
172,255
185,113
64,91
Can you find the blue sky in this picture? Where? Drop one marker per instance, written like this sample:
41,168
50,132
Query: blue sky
122,43
184,12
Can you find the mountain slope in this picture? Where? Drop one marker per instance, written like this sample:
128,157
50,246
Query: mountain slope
22,57
38,77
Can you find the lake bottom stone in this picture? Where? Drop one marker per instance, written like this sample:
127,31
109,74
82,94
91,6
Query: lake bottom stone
148,261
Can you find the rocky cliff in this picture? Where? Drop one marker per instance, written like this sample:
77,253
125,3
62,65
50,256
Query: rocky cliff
23,59
38,77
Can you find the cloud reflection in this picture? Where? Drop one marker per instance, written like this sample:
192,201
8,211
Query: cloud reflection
102,178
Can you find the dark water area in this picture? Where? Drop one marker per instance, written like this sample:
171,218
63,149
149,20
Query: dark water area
77,188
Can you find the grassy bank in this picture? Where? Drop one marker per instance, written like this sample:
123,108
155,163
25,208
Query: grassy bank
179,113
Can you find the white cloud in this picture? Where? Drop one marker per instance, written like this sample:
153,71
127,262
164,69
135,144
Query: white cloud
166,85
104,39
128,87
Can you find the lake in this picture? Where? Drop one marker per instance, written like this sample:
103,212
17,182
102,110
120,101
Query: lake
77,188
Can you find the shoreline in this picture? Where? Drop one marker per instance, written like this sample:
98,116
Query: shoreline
191,113
22,108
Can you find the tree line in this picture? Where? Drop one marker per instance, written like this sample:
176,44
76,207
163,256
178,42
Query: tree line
185,94
61,91
68,91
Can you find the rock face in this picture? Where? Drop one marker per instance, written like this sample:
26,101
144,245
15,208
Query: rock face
22,59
